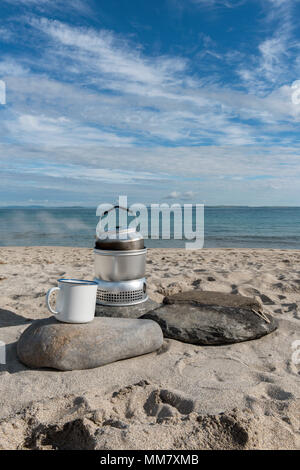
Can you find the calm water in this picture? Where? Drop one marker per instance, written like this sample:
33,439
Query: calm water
252,227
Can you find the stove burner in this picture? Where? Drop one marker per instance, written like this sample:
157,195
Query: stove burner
121,293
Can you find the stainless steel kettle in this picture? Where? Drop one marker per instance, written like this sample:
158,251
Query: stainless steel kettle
120,254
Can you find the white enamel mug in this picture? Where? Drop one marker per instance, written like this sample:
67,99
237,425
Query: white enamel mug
76,300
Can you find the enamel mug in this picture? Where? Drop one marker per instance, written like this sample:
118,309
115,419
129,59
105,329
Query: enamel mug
76,300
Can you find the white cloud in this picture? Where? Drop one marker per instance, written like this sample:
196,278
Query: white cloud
5,34
223,3
272,66
41,129
27,2
187,195
276,60
104,52
89,174
11,68
173,195
175,164
77,5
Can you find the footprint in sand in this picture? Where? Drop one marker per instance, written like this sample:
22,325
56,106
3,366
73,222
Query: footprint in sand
183,361
164,403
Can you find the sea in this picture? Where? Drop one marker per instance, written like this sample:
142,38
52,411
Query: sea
224,226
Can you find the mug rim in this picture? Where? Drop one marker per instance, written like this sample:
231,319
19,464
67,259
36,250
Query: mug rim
78,282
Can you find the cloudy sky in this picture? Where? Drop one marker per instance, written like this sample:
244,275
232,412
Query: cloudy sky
168,100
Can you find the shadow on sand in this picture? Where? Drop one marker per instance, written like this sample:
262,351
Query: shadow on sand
9,318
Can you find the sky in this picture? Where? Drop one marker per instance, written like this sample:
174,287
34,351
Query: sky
163,101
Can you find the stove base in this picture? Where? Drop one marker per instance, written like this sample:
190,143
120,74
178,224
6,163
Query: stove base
121,294
126,311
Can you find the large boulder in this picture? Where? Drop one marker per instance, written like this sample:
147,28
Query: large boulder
212,318
65,346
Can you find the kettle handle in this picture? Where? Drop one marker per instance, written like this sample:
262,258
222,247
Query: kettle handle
118,207
99,228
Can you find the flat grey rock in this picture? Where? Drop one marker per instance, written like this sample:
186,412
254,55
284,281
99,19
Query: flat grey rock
198,297
65,346
212,318
130,311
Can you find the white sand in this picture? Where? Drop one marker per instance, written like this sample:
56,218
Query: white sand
256,379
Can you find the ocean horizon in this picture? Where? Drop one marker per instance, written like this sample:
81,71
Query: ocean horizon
276,227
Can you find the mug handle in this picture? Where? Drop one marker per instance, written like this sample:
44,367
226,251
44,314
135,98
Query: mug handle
48,300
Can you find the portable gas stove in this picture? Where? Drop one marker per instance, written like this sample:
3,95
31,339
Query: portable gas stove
120,264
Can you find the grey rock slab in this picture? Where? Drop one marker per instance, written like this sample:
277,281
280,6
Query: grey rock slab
211,318
128,311
198,297
64,346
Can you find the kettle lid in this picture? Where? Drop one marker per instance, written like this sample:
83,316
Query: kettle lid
123,239
120,238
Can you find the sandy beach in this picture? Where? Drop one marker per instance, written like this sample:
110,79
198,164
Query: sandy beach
240,396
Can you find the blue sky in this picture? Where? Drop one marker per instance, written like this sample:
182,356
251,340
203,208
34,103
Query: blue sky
168,100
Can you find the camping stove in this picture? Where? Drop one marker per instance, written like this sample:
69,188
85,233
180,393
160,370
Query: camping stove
120,264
